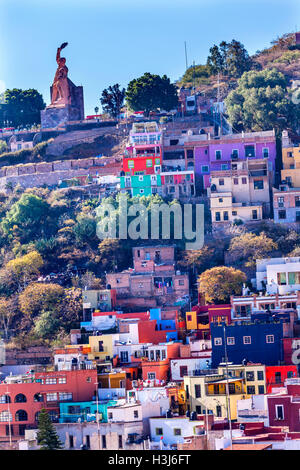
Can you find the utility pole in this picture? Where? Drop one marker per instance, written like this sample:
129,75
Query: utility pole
97,418
227,387
186,61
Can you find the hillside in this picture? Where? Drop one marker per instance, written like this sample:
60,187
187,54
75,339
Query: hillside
283,55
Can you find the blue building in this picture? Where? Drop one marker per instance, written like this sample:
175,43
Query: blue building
169,326
85,411
259,342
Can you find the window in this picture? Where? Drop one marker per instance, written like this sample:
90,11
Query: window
235,181
20,398
225,215
103,442
297,201
197,391
235,153
218,216
279,411
261,389
65,396
278,377
247,339
218,341
234,212
4,399
110,416
260,375
135,414
265,152
270,339
282,214
290,374
251,390
244,180
187,392
280,201
71,441
249,151
221,182
190,153
51,396
231,340
158,431
62,380
149,163
220,199
254,214
181,282
205,169
224,167
258,184
218,154
250,376
5,416
21,415
88,442
281,279
50,381
163,354
183,371
151,376
198,410
177,432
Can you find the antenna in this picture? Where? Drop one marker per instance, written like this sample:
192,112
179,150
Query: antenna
186,61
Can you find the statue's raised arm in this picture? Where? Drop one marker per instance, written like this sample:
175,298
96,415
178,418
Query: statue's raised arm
59,49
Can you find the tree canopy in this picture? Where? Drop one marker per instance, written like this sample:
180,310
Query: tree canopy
261,102
219,283
230,59
21,107
151,92
112,100
47,436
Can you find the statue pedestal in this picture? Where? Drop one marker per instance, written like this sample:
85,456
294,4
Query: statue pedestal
54,115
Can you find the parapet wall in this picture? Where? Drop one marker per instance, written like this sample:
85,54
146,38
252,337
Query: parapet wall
38,174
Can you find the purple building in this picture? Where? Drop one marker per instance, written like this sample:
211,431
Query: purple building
206,154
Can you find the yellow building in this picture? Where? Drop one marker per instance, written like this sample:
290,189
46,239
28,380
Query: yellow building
102,347
291,165
254,376
207,393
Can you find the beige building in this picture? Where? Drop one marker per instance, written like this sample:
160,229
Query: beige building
241,193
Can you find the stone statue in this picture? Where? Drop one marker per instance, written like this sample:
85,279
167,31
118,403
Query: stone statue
60,87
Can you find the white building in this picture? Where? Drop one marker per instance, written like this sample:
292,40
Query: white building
254,409
154,402
278,275
181,367
172,431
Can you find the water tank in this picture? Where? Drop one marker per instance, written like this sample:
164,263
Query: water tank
169,414
193,416
188,414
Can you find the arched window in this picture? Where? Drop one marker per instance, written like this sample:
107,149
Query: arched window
38,397
21,415
5,399
5,416
20,398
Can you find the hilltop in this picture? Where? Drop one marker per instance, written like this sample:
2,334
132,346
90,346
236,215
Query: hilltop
283,54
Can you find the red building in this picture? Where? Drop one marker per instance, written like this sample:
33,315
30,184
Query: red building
284,409
23,397
276,376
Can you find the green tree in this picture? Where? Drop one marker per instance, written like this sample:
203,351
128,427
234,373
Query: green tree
230,59
27,218
24,267
21,107
150,92
3,146
112,100
47,436
219,283
46,325
261,102
85,229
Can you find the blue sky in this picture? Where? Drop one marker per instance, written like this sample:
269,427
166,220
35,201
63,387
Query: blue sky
114,41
